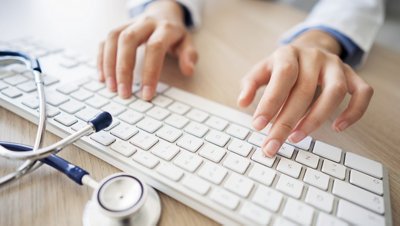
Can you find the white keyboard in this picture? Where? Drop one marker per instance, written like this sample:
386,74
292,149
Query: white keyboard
199,152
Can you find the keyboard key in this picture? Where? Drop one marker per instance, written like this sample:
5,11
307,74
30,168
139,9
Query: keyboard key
255,213
72,106
27,87
176,121
240,147
11,92
268,198
316,178
290,186
212,152
165,150
78,126
212,172
239,185
217,138
51,111
149,125
236,163
237,131
196,184
161,87
179,108
161,101
123,148
280,221
114,109
55,98
87,114
256,139
259,157
31,102
81,95
197,115
97,101
320,199
196,129
334,169
364,165
189,142
298,212
67,88
124,131
94,86
113,124
103,138
188,161
125,102
65,119
49,80
107,93
169,133
146,159
303,144
367,182
68,63
130,117
4,85
15,80
262,174
286,151
170,171
359,196
216,123
325,219
327,151
141,106
225,198
307,158
158,113
357,215
289,167
143,140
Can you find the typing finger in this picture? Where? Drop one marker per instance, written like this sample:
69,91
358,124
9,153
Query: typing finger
361,96
297,103
100,62
334,89
129,40
109,57
187,55
158,44
283,77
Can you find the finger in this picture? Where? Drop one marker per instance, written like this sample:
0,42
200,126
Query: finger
297,103
187,55
109,57
129,40
159,42
334,89
283,77
256,77
361,96
100,62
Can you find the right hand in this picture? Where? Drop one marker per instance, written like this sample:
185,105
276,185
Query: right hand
161,28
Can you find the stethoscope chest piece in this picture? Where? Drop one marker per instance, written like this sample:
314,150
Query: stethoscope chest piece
122,199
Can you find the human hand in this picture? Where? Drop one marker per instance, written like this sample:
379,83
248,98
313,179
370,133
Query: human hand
161,28
291,75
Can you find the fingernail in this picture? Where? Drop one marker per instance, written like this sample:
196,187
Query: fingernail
110,84
271,148
297,136
123,90
241,95
147,92
260,122
342,126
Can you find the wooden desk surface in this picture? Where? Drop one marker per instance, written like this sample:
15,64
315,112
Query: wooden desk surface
234,35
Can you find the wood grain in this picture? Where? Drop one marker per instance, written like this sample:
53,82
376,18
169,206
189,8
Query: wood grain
234,35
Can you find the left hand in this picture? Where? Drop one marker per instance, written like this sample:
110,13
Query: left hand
291,75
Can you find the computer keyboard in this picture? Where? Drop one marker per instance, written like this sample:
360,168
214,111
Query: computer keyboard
199,152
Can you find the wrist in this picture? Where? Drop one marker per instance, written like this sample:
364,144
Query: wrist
166,9
318,39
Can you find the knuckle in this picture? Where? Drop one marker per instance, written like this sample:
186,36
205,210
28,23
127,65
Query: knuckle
286,127
290,49
287,69
113,34
336,59
156,45
367,89
339,88
123,70
127,36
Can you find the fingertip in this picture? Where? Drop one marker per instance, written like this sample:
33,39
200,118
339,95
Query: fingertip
340,126
260,122
124,91
271,148
147,92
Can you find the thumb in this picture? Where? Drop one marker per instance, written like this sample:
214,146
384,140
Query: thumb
187,55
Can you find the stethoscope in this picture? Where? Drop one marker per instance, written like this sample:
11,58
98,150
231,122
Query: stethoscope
120,199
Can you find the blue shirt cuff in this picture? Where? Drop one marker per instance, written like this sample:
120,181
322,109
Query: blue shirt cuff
186,13
351,52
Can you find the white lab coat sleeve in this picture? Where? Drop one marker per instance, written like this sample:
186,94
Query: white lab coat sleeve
193,7
358,20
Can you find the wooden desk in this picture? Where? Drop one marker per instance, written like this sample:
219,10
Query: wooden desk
234,35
